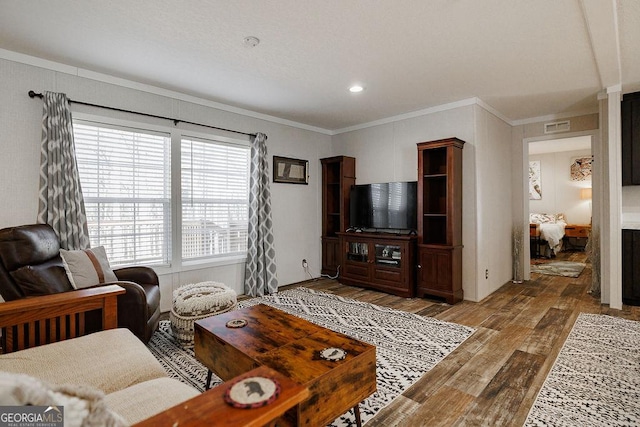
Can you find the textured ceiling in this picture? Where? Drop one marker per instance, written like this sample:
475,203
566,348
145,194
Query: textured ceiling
524,58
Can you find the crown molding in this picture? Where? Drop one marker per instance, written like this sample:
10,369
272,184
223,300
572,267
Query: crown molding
105,78
552,117
426,111
38,62
410,115
493,111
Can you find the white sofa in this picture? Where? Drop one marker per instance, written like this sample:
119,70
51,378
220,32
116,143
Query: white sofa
111,376
114,362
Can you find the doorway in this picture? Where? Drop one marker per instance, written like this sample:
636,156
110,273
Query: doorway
565,194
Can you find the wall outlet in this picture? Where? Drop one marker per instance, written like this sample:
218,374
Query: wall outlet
304,263
486,273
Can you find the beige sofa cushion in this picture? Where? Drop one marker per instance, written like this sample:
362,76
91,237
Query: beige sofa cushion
108,360
146,399
82,405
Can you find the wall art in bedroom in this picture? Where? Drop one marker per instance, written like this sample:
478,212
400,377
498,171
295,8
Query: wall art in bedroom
535,191
581,168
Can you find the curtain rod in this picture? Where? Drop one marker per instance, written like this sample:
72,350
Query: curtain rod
32,94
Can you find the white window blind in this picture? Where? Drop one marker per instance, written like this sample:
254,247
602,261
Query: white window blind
125,176
215,198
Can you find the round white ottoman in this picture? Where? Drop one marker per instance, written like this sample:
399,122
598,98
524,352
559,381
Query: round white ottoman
197,301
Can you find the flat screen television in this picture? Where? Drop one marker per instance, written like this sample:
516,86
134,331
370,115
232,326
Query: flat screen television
385,206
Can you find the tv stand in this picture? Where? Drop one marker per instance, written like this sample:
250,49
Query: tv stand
380,261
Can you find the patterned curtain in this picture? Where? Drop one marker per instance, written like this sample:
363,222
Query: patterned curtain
60,200
260,270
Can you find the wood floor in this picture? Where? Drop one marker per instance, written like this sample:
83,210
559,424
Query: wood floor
493,378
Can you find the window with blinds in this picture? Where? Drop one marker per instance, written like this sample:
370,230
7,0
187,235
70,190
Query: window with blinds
215,198
125,176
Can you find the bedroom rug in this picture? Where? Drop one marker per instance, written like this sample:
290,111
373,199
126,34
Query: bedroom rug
407,345
559,268
595,381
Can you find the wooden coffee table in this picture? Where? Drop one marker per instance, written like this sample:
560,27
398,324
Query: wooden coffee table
291,346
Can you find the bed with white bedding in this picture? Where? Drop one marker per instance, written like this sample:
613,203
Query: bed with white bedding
551,231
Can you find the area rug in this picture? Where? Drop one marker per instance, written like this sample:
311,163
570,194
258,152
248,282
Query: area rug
559,268
407,345
595,381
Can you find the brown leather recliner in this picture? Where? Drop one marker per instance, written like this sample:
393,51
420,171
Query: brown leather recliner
30,265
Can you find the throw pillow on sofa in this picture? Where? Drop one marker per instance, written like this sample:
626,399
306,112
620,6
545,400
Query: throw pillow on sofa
48,277
87,267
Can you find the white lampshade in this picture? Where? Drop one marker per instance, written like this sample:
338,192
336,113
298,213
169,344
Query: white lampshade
585,193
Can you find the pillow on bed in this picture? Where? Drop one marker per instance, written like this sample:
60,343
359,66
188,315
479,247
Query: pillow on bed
560,218
537,218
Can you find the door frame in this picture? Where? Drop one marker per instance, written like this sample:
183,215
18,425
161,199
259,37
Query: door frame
596,185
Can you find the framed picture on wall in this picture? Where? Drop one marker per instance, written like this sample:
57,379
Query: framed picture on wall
535,190
581,168
290,171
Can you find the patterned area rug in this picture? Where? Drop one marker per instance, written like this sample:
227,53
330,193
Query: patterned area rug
595,380
408,345
559,268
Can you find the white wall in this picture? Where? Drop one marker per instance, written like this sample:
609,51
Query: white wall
559,193
296,208
388,152
493,198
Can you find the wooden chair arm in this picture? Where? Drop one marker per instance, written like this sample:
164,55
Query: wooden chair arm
48,318
210,409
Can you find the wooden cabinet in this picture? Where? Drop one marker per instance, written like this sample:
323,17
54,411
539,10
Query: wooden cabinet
577,231
440,219
338,175
380,261
630,110
576,236
631,267
438,269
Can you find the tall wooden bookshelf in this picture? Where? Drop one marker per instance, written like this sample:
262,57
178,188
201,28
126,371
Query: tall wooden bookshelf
440,219
338,175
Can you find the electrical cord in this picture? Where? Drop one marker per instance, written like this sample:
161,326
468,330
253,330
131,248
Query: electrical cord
309,273
306,268
332,277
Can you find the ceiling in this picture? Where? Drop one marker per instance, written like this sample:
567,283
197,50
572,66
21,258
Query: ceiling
522,58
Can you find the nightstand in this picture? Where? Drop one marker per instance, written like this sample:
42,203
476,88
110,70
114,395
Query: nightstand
576,236
534,240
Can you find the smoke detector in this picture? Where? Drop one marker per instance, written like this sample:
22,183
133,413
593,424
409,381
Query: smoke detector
251,41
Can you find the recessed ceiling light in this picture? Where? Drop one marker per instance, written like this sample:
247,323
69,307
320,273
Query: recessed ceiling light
356,89
251,41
